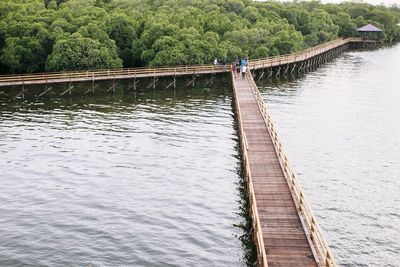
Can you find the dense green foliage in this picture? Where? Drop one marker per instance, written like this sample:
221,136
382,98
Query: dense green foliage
56,35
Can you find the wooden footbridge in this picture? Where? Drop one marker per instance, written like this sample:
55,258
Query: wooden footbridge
299,62
285,231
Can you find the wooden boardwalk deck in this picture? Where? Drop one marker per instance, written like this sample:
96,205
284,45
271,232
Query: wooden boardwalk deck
281,232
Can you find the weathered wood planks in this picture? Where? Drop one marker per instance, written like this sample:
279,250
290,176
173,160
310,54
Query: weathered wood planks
285,242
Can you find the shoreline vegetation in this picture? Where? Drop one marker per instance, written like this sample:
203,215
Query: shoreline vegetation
62,35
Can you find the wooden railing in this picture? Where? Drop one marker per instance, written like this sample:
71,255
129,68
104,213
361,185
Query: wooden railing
299,56
139,70
110,74
312,230
72,76
262,255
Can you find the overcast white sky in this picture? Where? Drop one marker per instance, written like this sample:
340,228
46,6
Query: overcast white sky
375,2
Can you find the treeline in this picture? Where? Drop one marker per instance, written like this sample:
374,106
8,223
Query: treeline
57,35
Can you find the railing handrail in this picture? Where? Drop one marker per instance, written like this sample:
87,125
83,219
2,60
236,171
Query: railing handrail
106,70
111,73
312,229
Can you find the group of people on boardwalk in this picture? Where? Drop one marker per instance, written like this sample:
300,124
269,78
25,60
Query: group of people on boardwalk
240,66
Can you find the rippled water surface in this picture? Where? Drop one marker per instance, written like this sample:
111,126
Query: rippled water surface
129,180
340,126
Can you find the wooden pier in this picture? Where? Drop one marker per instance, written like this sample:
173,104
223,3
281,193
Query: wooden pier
281,65
285,231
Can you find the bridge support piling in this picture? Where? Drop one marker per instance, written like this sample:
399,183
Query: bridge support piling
2,93
192,81
300,69
91,90
172,83
133,85
261,75
22,92
69,90
112,87
211,80
278,72
152,84
269,73
46,90
286,70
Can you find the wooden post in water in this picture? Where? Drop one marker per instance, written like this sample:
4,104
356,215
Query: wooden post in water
286,69
46,90
278,72
172,83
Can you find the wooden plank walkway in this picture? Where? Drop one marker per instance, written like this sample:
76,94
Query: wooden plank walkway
285,238
166,71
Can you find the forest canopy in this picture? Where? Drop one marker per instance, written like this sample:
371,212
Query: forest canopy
58,35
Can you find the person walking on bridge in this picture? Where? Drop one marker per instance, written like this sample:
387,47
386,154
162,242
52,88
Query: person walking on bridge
241,64
244,70
234,68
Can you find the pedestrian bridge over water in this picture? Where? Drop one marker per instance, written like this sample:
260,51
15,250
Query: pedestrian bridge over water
285,230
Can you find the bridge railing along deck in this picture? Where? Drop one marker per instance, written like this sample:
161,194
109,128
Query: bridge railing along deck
44,78
311,227
299,56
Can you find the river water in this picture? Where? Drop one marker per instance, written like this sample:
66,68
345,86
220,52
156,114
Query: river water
340,127
153,178
144,179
